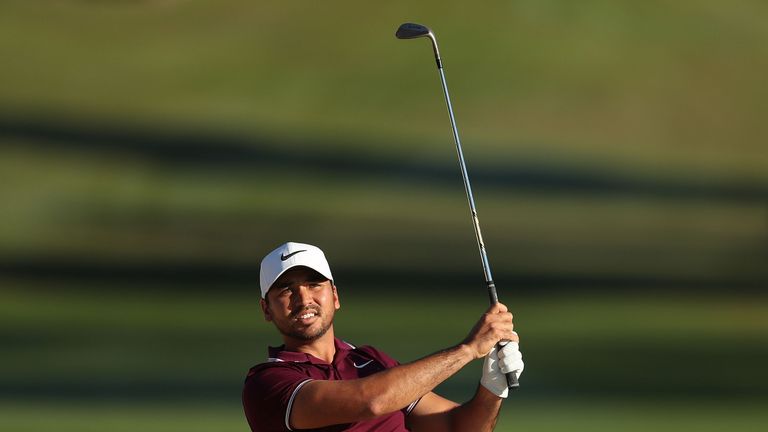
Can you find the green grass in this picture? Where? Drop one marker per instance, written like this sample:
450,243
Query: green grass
545,416
657,87
98,416
121,208
656,92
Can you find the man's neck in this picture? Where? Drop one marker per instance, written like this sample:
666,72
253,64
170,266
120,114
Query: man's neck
323,347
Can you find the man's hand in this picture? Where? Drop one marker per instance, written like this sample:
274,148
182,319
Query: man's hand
494,326
497,364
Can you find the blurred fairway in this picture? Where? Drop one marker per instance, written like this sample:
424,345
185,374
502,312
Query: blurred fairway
151,151
554,415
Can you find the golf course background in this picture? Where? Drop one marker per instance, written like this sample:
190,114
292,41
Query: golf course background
151,152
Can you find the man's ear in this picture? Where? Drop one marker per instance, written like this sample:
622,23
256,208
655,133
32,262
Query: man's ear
336,302
265,310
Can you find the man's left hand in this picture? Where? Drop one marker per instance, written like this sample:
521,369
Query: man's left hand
497,364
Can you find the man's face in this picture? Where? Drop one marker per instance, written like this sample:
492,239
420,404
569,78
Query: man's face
301,303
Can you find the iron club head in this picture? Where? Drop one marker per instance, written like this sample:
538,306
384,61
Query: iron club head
412,31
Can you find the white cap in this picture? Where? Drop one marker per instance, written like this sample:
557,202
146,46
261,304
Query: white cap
287,256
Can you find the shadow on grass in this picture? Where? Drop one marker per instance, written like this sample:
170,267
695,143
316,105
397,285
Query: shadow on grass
248,152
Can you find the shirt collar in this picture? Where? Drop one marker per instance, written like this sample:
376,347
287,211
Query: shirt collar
279,354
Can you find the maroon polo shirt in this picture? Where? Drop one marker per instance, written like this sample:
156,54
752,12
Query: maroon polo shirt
271,387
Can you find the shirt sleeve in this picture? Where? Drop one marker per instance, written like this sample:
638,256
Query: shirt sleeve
268,396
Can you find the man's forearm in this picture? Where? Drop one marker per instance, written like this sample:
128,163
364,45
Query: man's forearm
479,414
397,387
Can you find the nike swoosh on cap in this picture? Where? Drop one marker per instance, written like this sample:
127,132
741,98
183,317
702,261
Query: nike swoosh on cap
285,257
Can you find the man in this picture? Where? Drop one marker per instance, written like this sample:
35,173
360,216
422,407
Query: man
316,381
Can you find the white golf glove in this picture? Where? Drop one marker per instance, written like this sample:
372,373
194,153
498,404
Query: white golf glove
497,364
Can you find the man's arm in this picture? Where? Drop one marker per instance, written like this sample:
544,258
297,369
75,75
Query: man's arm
322,403
437,414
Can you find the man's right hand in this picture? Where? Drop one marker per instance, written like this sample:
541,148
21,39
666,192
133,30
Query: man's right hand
494,326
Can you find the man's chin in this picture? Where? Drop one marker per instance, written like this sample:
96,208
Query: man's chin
307,336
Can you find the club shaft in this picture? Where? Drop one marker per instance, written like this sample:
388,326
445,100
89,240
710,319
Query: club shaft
512,382
467,186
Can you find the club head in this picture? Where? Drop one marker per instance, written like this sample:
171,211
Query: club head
413,31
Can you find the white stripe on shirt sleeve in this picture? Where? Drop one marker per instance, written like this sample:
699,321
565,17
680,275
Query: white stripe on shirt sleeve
412,406
290,404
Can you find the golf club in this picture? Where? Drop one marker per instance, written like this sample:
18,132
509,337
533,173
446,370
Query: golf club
413,31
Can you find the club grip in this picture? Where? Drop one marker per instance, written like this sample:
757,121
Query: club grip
512,382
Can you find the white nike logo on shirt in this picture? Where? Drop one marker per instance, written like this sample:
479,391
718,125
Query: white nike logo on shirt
362,365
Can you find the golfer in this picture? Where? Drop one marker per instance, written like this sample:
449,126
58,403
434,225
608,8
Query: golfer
317,381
